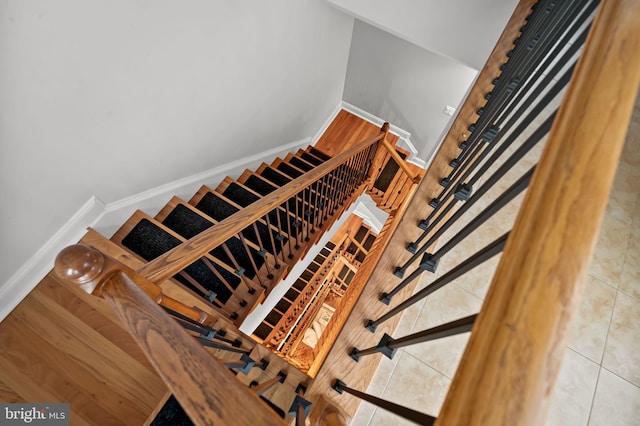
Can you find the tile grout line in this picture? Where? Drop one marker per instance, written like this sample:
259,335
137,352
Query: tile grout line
595,392
619,376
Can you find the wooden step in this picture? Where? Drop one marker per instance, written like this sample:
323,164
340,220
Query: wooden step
310,158
219,207
298,162
286,168
148,239
319,154
188,221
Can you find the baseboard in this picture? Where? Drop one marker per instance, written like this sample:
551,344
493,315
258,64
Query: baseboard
403,135
39,265
230,168
327,123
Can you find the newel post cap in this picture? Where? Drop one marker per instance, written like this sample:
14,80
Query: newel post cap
81,265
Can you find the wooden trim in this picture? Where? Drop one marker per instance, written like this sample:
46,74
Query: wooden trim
513,356
177,259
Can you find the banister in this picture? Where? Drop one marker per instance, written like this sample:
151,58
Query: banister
415,177
204,387
170,263
514,353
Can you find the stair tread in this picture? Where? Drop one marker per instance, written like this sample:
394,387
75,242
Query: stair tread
149,241
275,176
259,185
319,154
311,158
188,223
240,195
214,204
289,170
301,164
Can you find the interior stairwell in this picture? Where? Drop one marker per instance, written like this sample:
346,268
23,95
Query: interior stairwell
182,293
222,287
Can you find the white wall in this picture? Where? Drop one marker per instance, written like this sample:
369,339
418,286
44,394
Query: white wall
113,97
404,84
460,29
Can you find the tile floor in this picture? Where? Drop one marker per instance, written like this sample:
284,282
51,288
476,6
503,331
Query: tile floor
599,382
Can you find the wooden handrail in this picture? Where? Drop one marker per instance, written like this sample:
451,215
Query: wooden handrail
514,353
173,261
204,387
415,177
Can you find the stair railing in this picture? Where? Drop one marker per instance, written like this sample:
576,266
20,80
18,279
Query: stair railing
327,187
514,352
205,389
282,331
203,386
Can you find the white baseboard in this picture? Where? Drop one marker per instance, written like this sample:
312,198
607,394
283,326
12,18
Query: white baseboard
327,123
403,135
39,265
205,176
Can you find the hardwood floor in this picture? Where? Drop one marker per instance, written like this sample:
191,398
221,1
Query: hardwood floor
60,346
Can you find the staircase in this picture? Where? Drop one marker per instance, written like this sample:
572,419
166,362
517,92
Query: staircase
207,249
228,247
237,275
295,329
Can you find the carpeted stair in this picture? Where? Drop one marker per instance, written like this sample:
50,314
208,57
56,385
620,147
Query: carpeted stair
230,274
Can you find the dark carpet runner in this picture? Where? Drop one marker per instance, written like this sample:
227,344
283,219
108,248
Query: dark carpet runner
149,241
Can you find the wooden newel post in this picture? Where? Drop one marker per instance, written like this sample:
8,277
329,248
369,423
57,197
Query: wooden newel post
415,177
202,385
82,265
89,269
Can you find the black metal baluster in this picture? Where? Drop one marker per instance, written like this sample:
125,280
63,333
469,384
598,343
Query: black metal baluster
477,259
252,260
209,295
272,239
388,345
239,269
300,407
226,283
244,365
407,413
263,252
531,141
513,191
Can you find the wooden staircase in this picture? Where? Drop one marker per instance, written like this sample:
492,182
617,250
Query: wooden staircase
512,358
293,329
237,275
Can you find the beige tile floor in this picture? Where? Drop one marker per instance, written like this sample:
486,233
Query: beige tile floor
599,381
